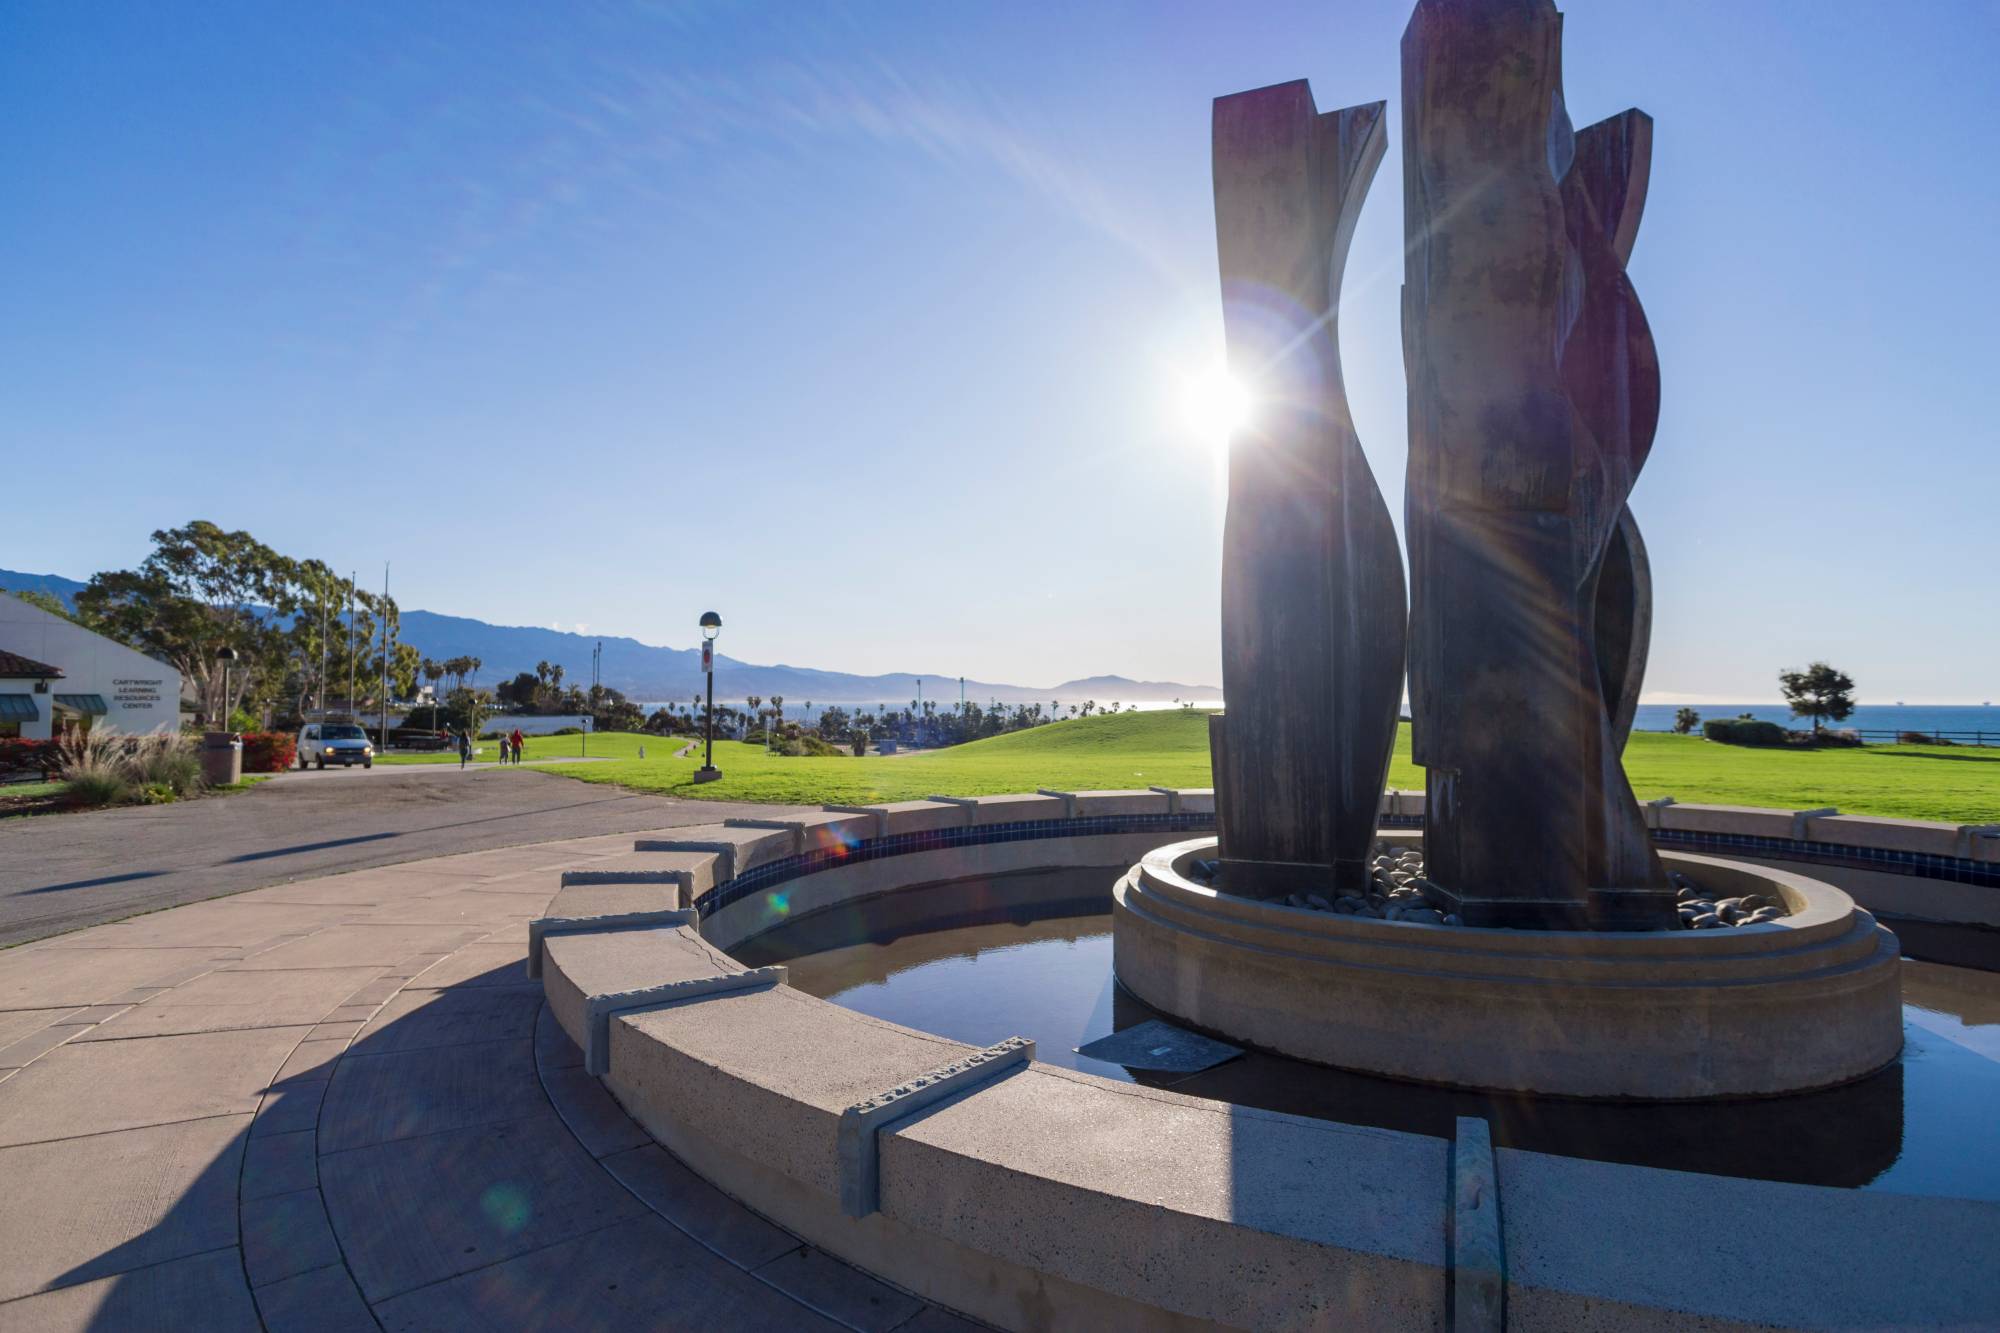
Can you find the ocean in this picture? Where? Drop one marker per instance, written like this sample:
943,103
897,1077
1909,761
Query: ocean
1969,719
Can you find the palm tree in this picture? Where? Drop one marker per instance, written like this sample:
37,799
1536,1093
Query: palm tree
472,665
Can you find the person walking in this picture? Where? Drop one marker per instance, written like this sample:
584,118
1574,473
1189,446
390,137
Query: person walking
464,748
515,741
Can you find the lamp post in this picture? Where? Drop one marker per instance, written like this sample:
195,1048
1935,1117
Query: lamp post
221,750
711,625
226,656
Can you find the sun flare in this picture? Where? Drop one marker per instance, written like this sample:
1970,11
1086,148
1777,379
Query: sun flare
1217,405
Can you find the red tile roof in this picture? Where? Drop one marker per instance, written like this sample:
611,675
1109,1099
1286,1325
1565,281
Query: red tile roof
13,666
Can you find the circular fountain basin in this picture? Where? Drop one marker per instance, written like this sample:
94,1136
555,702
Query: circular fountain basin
1808,1001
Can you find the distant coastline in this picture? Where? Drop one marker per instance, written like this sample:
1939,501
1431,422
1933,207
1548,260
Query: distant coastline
1868,717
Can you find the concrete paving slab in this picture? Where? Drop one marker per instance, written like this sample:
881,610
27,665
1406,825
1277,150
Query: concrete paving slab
26,1050
358,943
591,1113
415,1211
203,1293
289,1107
335,1031
231,1000
286,1235
818,1280
95,1087
935,1320
220,923
280,1163
417,1019
43,978
85,1208
322,1301
453,908
488,963
634,1275
376,1098
698,1208
18,1023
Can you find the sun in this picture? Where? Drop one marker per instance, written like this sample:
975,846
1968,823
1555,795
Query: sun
1217,405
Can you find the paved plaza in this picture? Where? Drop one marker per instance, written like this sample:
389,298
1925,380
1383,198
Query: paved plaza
338,1103
61,873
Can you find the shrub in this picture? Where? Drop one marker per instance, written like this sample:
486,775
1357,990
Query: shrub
165,761
106,768
1743,731
97,788
1920,738
269,751
21,755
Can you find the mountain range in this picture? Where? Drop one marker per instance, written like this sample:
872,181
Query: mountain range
653,674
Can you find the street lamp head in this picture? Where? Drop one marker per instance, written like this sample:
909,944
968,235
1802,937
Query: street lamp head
227,654
711,624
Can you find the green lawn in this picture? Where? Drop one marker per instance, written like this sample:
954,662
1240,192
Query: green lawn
1170,748
602,744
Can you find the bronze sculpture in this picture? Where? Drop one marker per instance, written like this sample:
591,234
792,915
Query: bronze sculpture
1312,587
1534,392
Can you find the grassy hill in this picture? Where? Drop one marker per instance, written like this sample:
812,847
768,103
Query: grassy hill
1170,748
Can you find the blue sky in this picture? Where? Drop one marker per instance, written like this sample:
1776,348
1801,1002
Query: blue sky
868,326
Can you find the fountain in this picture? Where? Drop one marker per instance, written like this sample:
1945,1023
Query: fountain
1532,938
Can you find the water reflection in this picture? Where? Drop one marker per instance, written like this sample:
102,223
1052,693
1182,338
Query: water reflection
1032,956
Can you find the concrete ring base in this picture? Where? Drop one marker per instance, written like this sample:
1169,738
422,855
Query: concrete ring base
1806,1002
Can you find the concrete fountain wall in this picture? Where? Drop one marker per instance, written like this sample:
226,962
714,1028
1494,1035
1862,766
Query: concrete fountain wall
1036,1197
1804,1002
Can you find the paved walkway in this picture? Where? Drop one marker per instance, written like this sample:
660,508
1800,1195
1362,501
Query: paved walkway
338,1104
62,872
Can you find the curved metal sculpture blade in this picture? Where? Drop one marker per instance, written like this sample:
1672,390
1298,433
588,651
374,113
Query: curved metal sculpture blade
1606,188
1312,584
1624,628
1533,396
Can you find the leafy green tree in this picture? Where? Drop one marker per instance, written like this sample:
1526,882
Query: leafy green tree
48,602
1819,692
201,589
1686,720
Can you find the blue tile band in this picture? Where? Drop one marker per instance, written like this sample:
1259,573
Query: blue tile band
1957,870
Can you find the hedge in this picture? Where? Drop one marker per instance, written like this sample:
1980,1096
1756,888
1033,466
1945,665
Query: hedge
269,751
1744,731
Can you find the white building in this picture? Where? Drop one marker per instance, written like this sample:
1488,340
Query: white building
57,674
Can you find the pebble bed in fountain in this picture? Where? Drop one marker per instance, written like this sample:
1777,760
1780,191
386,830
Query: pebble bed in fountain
1397,884
1701,910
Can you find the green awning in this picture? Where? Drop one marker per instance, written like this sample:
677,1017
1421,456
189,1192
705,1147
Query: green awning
18,708
92,704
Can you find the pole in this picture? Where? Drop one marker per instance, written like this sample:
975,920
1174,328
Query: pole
384,735
322,648
352,580
708,718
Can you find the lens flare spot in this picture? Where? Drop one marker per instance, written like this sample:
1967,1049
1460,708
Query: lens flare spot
506,1207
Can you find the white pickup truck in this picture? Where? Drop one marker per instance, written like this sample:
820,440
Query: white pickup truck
323,743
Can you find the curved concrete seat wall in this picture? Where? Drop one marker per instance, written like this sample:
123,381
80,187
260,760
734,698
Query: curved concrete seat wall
1045,1198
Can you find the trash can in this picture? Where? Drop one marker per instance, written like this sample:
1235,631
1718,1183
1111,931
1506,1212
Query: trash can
221,758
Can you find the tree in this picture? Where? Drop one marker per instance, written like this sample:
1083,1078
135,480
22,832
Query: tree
1819,692
1686,720
50,603
860,743
201,589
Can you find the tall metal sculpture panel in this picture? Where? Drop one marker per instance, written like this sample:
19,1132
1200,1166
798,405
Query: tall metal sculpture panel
1313,609
1533,393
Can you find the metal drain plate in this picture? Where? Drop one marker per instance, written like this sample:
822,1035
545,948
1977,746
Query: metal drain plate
1160,1047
